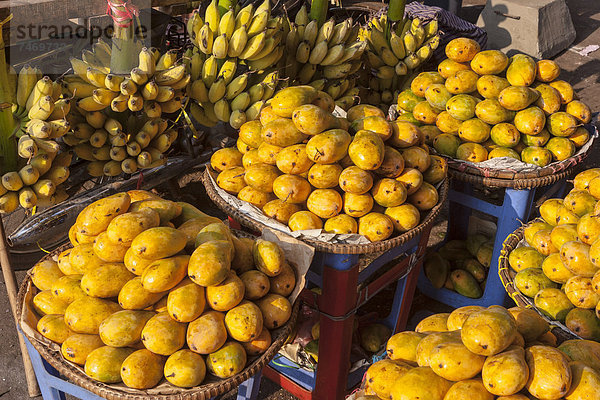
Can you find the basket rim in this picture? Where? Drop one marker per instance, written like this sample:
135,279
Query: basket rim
319,245
509,244
207,391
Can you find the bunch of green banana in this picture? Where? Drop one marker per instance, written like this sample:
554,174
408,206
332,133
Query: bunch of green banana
394,51
324,57
232,62
41,116
117,123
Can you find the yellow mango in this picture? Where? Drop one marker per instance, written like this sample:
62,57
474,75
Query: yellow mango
341,224
357,205
420,383
565,91
425,113
95,218
124,228
166,209
68,288
105,281
585,383
404,217
471,389
45,303
457,318
184,368
433,323
267,115
462,82
82,258
549,373
255,197
517,98
521,71
403,346
561,124
367,150
227,294
133,295
165,274
580,111
228,361
259,345
250,133
193,226
549,99
207,333
142,369
64,264
267,154
53,327
324,176
256,284
447,123
135,264
45,273
188,212
529,323
86,314
404,134
77,347
449,67
138,195
282,132
304,220
547,70
373,123
124,328
324,100
491,112
287,100
108,251
163,335
160,242
375,226
461,106
268,257
284,283
261,177
419,86
363,110
250,158
328,147
312,120
490,86
244,322
232,180
242,258
226,158
489,62
104,363
488,332
428,343
505,373
382,375
291,188
291,160
325,203
210,263
462,50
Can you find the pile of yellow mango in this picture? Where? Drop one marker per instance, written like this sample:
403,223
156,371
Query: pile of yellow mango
154,288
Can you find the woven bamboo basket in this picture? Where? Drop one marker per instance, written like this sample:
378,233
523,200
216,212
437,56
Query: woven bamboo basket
210,388
483,176
507,276
319,245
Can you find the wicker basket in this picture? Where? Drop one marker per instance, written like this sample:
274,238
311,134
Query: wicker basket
319,245
483,176
211,387
507,278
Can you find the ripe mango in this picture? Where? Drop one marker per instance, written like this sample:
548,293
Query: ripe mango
421,83
165,274
553,303
433,323
564,233
184,368
261,177
77,347
324,176
210,263
46,303
581,202
393,163
268,257
430,132
437,95
453,361
576,257
542,242
163,335
531,280
529,323
536,155
462,82
96,217
561,124
465,284
328,147
547,70
549,99
583,323
160,242
416,157
521,71
226,295
363,110
488,332
355,180
45,273
457,318
425,113
166,209
474,130
282,132
585,382
503,152
53,327
404,134
469,389
142,369
491,112
278,210
549,372
449,67
124,228
135,264
82,258
367,150
133,295
207,333
255,197
304,220
226,158
530,121
256,284
407,100
489,62
581,293
357,205
104,363
462,50
447,144
232,180
186,301
325,203
105,281
266,115
193,225
420,383
517,98
287,100
124,328
403,346
375,226
86,314
388,192
64,264
588,228
259,345
244,322
506,373
437,171
565,91
586,351
555,270
267,153
490,86
382,375
561,148
228,361
580,111
108,251
291,160
425,198
461,107
373,123
68,288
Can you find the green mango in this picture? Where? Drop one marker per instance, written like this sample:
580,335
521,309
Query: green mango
436,269
474,130
538,140
373,336
437,95
446,144
584,323
484,254
561,124
561,148
553,303
490,86
472,152
536,155
462,82
504,152
530,121
474,242
521,70
491,111
525,257
505,134
517,98
473,267
462,106
407,100
531,280
465,284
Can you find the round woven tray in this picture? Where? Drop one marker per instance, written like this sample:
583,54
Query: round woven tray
507,278
319,245
212,387
483,176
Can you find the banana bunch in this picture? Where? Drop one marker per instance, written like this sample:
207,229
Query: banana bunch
117,123
232,62
394,51
41,115
324,57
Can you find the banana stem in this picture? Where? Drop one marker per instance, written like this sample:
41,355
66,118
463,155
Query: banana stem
125,47
8,146
396,10
318,11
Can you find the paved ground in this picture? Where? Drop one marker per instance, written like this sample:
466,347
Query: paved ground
582,71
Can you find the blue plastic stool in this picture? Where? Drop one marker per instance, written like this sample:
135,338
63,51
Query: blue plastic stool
53,387
515,210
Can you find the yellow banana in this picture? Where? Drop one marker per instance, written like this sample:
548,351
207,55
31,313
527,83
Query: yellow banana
170,76
62,108
319,84
326,31
236,86
424,53
412,61
334,54
119,103
274,26
96,119
129,166
167,60
98,138
352,52
39,129
209,71
217,90
57,174
244,16
42,109
193,24
199,115
254,110
26,147
388,57
79,88
353,34
410,42
227,71
135,102
374,60
104,96
139,77
90,104
150,91
47,146
9,202
431,28
237,119
205,39
222,110
118,140
79,68
95,168
173,105
256,92
156,53
319,52
43,87
397,45
310,33
259,23
118,153
240,102
83,131
340,32
146,62
96,77
337,71
220,46
212,16
42,162
112,126
128,87
306,73
27,198
303,52
165,93
377,39
346,102
63,159
227,24
25,84
238,41
401,68
90,59
29,175
292,39
152,109
434,42
144,159
301,20
254,45
112,168
270,46
133,149
143,139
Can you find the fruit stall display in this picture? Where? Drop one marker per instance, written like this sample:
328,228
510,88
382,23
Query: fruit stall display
152,289
552,263
301,166
481,105
461,265
484,353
